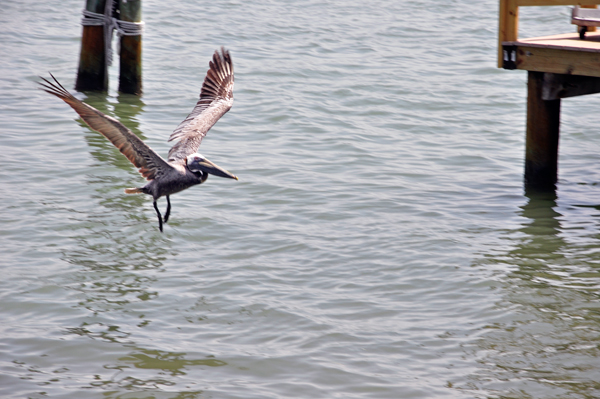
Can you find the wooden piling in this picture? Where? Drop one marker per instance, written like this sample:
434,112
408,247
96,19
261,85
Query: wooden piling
130,64
541,143
92,73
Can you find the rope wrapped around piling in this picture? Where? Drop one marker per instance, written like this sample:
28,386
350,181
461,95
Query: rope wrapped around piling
123,28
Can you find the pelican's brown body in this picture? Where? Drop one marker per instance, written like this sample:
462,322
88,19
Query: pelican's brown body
175,181
185,167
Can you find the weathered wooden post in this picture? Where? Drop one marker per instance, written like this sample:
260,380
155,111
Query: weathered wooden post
92,74
541,142
98,25
130,73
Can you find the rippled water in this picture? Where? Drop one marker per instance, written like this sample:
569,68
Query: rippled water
379,243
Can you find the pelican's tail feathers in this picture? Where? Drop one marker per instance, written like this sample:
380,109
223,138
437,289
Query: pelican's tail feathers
136,190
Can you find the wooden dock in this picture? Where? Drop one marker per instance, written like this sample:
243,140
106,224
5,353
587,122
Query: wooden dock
559,66
564,54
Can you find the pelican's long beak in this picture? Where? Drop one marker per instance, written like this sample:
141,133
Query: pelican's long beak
213,169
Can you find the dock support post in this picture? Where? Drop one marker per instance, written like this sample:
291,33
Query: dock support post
92,73
541,144
130,73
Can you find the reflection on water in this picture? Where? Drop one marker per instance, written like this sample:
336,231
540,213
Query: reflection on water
127,109
174,363
150,370
547,342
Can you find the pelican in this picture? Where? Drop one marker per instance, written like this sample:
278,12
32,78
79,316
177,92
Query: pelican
185,167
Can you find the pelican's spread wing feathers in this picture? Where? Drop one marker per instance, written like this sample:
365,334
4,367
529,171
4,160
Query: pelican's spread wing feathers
150,164
216,98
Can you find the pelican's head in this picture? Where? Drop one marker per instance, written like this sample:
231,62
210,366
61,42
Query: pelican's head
196,163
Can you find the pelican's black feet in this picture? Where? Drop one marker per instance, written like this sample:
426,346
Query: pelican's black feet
168,209
160,222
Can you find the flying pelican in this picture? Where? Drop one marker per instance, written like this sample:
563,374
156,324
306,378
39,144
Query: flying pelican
185,167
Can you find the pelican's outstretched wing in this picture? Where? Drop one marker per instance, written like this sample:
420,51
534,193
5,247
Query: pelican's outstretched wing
150,164
216,98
